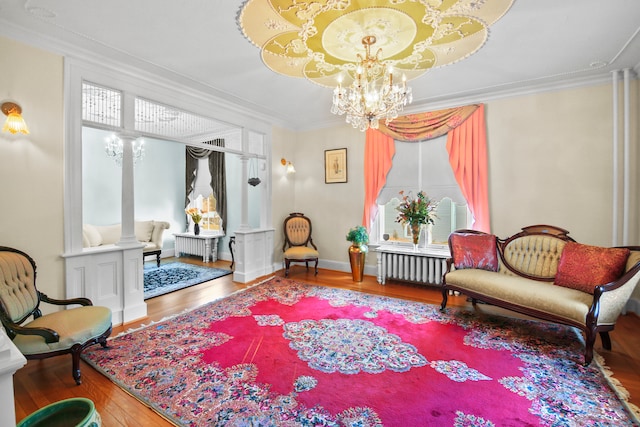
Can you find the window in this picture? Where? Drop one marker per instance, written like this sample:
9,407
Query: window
101,105
421,166
450,216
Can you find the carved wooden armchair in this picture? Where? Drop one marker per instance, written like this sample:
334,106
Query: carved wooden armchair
297,238
61,332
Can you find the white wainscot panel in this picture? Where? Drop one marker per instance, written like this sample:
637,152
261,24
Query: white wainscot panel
110,277
254,252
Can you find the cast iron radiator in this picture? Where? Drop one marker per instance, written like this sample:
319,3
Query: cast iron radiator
191,246
422,268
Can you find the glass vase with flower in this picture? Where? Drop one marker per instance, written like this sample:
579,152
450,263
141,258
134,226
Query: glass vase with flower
196,217
416,212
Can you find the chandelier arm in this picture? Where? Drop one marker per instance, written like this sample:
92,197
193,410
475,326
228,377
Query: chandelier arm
365,104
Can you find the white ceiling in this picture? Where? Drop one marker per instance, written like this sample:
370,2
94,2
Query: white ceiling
538,44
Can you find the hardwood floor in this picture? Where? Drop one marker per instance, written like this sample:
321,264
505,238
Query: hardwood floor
42,382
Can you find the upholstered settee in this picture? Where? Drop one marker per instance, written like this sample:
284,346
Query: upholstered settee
544,273
147,232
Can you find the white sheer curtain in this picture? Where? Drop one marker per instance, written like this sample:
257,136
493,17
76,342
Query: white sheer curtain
421,166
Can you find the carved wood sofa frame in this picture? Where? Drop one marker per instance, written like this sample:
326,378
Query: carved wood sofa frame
590,326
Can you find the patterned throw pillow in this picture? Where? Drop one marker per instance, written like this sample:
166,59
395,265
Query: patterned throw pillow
584,267
474,251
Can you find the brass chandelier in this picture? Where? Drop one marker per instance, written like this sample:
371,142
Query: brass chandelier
372,95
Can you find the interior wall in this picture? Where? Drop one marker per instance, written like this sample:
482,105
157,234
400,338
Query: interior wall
332,208
159,179
31,166
550,162
101,181
284,144
233,168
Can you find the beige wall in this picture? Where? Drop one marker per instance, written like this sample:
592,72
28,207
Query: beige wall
550,162
31,166
283,198
333,208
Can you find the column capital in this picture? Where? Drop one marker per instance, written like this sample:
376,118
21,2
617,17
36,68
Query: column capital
128,135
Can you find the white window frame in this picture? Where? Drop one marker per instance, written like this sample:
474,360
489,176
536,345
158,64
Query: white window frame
413,170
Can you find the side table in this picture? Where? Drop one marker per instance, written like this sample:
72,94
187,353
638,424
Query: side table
205,245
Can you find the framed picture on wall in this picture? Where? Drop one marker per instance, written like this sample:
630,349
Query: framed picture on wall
335,166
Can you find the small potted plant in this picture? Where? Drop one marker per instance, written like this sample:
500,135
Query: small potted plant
359,237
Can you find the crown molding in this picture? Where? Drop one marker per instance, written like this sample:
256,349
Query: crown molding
121,62
501,92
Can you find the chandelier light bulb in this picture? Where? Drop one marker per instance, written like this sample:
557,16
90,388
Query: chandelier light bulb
372,95
114,149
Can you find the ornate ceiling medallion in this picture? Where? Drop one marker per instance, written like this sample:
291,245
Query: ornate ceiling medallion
320,39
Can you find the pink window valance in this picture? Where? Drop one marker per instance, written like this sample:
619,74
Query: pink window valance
466,145
423,126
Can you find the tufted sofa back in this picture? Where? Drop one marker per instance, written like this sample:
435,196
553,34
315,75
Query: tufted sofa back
535,255
534,252
18,294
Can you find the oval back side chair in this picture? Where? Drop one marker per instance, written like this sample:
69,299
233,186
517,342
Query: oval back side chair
297,238
61,332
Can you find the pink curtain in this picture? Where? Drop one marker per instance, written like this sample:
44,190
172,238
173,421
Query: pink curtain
378,153
467,147
466,144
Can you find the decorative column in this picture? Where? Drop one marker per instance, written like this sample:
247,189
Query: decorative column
112,275
244,199
128,235
132,261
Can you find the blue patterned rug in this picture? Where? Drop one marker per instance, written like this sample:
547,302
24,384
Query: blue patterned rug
176,275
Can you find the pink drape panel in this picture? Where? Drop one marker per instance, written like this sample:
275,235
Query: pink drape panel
466,144
467,147
378,153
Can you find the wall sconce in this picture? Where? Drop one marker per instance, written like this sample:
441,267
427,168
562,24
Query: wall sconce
289,165
15,123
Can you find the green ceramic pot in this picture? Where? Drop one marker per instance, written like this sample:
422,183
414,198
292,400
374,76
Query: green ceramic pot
75,412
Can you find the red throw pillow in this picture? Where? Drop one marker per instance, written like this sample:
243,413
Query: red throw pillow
474,251
584,267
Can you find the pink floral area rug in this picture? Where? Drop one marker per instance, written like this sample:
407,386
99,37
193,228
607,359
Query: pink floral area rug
284,353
